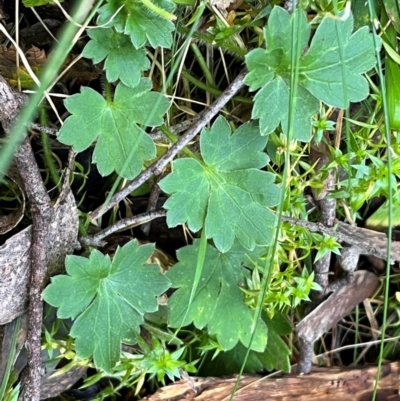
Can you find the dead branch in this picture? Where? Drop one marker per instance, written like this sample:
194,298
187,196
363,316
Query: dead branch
323,384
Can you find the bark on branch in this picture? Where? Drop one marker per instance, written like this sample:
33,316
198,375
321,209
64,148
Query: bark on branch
323,384
41,211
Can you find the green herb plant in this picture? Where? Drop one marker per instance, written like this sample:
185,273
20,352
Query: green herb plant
227,194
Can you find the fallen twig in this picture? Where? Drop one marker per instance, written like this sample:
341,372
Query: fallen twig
369,242
96,240
41,211
157,167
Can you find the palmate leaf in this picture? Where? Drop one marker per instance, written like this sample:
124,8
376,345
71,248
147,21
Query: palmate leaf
276,94
276,355
321,74
227,194
123,62
321,69
107,298
139,22
218,303
114,123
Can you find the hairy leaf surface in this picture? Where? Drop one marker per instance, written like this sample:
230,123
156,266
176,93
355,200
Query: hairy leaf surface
322,74
218,303
227,194
123,62
120,141
136,20
107,298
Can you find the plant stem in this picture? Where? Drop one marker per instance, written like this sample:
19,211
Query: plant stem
47,152
159,11
214,91
203,65
209,40
173,138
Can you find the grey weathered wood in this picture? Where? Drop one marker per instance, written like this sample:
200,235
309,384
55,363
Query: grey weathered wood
340,303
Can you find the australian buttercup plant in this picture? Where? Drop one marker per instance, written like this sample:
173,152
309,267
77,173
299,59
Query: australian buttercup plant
227,194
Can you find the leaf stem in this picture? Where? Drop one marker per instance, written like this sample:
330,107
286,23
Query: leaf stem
107,90
55,176
390,198
208,39
201,256
212,90
173,138
158,10
203,65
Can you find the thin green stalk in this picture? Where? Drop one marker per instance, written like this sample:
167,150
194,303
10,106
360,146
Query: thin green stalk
10,361
107,90
390,197
345,95
201,256
214,91
173,138
158,10
203,65
48,158
55,62
356,334
392,73
186,92
268,266
209,40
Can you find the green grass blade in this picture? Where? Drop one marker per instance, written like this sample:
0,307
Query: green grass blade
60,53
197,276
390,199
272,250
10,361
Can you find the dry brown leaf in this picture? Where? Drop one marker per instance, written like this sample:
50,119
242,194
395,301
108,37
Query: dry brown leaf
34,55
8,69
221,4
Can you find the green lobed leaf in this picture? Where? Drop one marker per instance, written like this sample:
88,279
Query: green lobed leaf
230,362
278,34
277,354
320,69
227,194
379,220
260,71
218,303
107,298
123,61
139,22
114,125
275,97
